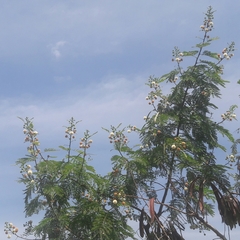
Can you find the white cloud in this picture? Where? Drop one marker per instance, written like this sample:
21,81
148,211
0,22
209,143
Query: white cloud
55,50
113,100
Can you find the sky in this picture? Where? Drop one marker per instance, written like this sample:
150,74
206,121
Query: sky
90,60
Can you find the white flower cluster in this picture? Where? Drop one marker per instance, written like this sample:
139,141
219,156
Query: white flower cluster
70,132
144,146
33,151
132,128
228,116
27,172
118,137
154,94
151,98
230,158
153,84
10,228
85,143
179,58
31,136
186,186
207,26
145,118
226,55
173,80
119,197
179,144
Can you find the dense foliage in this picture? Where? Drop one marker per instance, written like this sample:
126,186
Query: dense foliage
171,179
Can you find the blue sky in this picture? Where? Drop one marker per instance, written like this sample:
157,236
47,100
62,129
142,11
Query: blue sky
90,60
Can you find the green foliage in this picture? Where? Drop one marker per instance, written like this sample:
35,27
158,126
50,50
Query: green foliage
76,202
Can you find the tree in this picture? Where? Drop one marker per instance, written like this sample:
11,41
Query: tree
73,197
171,179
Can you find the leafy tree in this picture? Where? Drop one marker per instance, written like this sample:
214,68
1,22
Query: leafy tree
74,198
173,178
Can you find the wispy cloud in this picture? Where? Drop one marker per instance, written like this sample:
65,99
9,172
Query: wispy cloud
98,105
55,50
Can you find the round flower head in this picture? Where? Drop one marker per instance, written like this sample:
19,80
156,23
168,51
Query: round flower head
173,146
25,131
34,133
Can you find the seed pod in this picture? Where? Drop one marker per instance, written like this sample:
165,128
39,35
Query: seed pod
141,226
151,209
